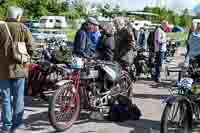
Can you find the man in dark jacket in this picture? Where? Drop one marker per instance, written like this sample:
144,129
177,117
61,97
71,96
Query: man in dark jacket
150,47
82,42
107,43
12,74
125,42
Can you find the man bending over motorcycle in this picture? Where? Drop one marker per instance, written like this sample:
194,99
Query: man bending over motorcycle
125,50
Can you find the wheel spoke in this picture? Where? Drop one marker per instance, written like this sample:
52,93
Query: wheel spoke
64,109
176,118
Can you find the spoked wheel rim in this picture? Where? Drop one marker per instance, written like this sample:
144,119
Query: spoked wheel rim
124,84
65,108
66,105
176,119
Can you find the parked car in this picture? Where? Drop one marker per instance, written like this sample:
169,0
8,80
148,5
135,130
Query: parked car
53,22
32,23
59,35
39,36
28,23
35,24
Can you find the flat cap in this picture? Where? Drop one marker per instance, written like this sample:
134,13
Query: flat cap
14,11
92,21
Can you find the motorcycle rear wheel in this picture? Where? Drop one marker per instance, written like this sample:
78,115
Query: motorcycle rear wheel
125,83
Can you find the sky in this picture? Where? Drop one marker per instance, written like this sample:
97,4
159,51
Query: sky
140,4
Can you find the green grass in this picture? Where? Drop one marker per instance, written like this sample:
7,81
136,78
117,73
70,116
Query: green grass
178,36
70,32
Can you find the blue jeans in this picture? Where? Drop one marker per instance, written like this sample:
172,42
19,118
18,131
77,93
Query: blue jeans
142,45
12,93
187,58
159,61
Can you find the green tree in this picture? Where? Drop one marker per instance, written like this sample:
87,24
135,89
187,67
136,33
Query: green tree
186,19
147,9
176,20
116,9
105,10
107,6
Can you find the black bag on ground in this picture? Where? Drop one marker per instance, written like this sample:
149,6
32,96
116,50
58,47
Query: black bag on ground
122,109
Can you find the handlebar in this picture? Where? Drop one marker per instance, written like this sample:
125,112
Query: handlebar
61,68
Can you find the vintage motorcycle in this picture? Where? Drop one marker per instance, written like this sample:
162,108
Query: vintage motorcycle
171,48
142,63
91,86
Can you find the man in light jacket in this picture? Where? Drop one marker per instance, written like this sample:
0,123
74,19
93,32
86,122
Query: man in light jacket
12,74
160,49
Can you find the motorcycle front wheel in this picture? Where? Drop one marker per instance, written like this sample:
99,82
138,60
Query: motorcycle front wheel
64,108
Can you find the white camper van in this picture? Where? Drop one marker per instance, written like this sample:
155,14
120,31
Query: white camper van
53,22
195,22
137,24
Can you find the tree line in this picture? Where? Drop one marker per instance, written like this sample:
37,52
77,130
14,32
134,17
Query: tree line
34,9
183,19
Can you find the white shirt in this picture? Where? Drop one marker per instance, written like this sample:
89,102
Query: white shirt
160,41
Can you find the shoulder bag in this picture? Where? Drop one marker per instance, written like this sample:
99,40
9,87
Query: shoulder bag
19,51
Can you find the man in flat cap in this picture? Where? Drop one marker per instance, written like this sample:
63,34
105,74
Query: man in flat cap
83,43
12,74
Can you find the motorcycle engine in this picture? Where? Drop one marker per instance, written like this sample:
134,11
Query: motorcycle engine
194,67
141,62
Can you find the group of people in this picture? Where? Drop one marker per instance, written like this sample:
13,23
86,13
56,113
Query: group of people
107,41
118,41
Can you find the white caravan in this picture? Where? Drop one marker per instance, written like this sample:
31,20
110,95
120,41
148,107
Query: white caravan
53,22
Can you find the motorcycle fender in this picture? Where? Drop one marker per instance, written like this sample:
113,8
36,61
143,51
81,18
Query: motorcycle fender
63,82
170,100
173,99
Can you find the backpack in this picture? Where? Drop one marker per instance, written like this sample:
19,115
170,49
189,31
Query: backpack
61,56
122,109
